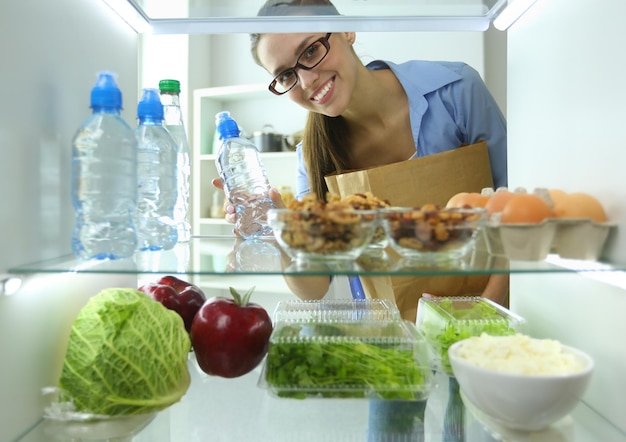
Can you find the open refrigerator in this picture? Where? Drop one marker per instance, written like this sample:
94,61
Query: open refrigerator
564,108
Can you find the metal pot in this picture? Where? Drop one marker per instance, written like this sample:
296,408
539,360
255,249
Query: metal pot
266,140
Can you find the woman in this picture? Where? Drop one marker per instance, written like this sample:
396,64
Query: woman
366,116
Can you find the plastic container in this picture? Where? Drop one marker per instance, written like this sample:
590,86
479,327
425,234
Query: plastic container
157,177
336,310
245,181
348,349
104,178
173,120
444,321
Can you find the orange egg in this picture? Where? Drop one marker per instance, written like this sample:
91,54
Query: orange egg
456,199
526,208
498,200
467,199
556,195
580,205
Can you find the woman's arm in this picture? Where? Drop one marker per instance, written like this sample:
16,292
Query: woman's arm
497,289
304,287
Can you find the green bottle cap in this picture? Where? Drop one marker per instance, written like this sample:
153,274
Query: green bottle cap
169,86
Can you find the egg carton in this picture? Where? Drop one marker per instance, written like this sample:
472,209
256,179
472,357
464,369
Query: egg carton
569,238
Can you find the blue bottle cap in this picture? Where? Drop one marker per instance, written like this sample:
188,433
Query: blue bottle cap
226,126
150,105
106,93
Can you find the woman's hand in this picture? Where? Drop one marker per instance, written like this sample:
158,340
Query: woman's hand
230,214
276,198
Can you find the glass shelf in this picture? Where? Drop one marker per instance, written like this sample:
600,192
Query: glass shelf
222,16
230,255
213,409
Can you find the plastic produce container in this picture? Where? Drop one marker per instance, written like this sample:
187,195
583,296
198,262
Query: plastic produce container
345,349
444,321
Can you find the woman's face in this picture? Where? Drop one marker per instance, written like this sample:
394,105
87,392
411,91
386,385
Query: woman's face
325,89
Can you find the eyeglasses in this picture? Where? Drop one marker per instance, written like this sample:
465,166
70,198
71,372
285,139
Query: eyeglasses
310,58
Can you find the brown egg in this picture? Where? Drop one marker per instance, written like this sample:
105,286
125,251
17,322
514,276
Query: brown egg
467,199
498,200
556,195
580,205
526,208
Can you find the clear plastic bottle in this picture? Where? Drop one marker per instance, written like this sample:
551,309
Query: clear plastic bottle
245,181
104,177
156,176
170,97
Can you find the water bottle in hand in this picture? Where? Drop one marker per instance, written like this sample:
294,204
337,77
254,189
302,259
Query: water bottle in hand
244,178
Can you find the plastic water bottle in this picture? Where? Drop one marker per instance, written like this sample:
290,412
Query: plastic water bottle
104,178
170,97
156,176
245,181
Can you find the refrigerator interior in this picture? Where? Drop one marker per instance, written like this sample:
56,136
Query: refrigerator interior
564,106
565,113
48,70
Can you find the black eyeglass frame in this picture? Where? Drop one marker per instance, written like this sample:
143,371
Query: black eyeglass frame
324,41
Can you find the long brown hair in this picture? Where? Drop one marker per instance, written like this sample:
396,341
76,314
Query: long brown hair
324,138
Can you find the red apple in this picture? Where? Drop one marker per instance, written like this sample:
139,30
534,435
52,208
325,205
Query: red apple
230,337
178,295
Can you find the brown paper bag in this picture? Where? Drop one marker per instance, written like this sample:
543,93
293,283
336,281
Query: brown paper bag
431,179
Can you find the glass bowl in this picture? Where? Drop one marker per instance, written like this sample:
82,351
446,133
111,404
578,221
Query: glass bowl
323,234
431,233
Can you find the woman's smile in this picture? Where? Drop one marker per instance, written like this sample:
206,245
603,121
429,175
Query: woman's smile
322,95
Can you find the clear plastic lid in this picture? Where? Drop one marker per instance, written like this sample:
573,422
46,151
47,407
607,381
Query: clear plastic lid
336,310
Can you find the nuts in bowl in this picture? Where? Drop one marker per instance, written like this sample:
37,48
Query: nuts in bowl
432,233
317,230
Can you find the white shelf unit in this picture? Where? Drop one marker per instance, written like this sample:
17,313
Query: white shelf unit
252,106
281,171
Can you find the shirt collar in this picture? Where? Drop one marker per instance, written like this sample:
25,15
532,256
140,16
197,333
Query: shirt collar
430,76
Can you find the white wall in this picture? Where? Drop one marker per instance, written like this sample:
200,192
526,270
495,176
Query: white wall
51,54
565,127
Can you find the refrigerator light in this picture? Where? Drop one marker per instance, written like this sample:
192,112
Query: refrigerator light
9,285
129,14
512,13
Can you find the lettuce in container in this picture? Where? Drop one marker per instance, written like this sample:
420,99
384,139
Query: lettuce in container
127,355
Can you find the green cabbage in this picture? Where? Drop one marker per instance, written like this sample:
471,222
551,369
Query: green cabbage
127,354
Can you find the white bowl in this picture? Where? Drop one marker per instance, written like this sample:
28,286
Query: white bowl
521,401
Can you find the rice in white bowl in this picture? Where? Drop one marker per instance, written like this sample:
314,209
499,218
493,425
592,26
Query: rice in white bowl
519,354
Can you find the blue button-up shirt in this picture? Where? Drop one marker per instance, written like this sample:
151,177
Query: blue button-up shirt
449,106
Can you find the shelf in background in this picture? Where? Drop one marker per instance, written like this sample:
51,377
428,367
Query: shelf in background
264,156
